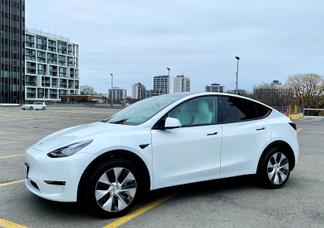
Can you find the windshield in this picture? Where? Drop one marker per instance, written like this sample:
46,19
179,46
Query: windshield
143,110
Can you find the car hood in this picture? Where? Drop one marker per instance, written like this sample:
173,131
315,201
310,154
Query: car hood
71,135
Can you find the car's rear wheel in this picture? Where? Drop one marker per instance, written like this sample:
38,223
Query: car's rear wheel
112,189
275,168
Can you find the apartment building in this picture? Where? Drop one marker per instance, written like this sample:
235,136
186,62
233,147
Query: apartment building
51,66
181,84
161,85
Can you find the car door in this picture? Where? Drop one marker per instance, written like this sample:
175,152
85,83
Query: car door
192,152
245,133
35,106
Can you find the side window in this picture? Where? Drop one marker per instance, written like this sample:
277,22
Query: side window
195,112
234,109
262,110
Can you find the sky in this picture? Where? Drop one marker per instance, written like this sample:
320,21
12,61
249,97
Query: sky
138,39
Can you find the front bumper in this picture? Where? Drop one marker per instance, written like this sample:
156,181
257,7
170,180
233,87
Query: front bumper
42,168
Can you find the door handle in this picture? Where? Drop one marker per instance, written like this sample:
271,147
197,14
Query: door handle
214,133
260,129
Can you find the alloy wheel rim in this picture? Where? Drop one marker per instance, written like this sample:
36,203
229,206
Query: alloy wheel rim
115,190
278,168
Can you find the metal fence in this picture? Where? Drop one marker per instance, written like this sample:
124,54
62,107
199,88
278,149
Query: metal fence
314,111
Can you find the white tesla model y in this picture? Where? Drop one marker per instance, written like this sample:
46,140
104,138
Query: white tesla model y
159,142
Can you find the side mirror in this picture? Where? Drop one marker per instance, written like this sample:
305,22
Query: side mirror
171,122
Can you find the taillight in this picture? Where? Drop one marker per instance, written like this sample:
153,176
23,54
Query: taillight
293,125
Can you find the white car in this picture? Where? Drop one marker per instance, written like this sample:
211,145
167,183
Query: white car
34,106
162,141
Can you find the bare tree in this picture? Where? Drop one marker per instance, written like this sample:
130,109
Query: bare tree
308,89
273,94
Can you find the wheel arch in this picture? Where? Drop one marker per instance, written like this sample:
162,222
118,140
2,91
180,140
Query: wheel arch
117,154
281,144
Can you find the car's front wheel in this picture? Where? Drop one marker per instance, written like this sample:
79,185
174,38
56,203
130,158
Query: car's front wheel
275,168
111,189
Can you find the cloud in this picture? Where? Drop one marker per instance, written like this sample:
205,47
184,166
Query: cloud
136,40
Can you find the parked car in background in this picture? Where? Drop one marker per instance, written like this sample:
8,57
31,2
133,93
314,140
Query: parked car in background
160,142
34,106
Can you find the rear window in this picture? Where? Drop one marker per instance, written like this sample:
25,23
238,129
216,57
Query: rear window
235,109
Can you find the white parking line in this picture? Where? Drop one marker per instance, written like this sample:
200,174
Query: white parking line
11,156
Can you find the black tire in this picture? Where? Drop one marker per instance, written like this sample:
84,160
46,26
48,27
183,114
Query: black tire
265,173
87,196
31,108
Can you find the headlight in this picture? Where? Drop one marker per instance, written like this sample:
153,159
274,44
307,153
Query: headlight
69,150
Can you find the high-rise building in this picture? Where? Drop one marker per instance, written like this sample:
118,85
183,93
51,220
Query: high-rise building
214,87
139,91
51,66
161,85
118,94
12,31
181,84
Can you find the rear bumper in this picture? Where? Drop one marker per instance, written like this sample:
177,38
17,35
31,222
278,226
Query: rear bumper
61,170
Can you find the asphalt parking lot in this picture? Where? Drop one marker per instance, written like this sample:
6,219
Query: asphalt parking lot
235,202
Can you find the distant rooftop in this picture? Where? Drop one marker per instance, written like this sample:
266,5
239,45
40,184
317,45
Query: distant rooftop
47,34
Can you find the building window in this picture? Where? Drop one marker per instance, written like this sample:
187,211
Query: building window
70,62
52,45
54,82
30,54
71,72
61,46
70,51
62,72
63,83
51,58
40,93
53,93
31,81
30,41
41,69
41,56
62,92
62,60
31,92
31,68
41,42
71,84
53,70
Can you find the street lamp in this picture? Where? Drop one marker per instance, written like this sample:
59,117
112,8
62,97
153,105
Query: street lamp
112,92
44,75
237,73
168,79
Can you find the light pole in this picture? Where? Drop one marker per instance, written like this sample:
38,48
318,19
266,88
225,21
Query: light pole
44,75
168,68
237,73
112,91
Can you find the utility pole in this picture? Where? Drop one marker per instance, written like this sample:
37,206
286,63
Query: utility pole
237,73
112,91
